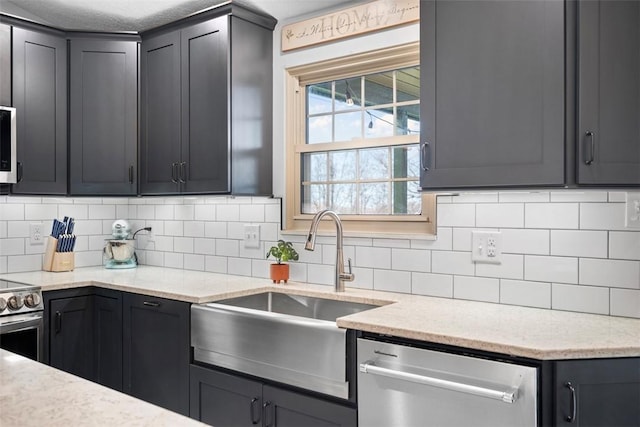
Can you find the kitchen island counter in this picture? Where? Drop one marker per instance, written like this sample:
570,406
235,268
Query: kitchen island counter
517,331
34,394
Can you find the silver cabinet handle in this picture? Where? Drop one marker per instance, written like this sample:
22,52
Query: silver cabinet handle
173,173
151,304
183,172
131,174
507,396
590,149
254,420
424,160
574,403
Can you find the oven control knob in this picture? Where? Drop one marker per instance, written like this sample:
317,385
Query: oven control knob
3,304
15,302
32,300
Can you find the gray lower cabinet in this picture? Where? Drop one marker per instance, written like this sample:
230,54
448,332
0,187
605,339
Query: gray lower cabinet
40,98
597,393
492,93
103,105
83,334
223,399
608,92
206,108
156,351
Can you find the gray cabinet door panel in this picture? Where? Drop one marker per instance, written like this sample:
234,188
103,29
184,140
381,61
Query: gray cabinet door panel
5,64
40,98
609,92
493,93
103,126
205,106
160,111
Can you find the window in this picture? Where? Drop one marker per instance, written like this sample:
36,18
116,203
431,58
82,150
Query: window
353,127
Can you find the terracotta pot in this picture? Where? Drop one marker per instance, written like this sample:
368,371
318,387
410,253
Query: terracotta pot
279,272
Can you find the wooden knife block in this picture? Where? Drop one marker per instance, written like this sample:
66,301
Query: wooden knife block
57,261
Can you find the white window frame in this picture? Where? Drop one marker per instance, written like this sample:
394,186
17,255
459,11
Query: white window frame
297,78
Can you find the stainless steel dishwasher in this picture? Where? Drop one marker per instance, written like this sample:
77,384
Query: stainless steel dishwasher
408,386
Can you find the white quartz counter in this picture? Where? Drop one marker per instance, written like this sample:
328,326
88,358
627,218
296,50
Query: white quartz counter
518,331
34,394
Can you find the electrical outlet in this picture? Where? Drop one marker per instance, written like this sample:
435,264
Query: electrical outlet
35,233
251,236
633,210
486,247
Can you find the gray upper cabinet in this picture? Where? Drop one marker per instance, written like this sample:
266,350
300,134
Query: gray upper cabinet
5,64
608,93
492,93
206,107
40,98
103,107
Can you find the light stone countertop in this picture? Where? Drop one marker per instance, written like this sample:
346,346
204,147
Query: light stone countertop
518,331
34,394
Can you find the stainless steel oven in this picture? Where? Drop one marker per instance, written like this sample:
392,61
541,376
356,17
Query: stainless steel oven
21,319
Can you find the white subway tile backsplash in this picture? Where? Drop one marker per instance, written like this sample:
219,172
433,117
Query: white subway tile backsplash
411,260
164,212
586,299
373,257
98,212
530,294
578,196
456,215
551,215
452,263
602,216
436,285
608,272
579,243
551,269
173,260
476,288
523,241
500,215
564,237
392,281
512,267
625,302
624,245
228,213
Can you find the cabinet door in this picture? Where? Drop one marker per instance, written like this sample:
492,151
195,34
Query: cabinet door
605,393
40,98
492,93
205,139
609,92
103,111
71,338
224,400
5,64
284,408
107,332
160,114
156,351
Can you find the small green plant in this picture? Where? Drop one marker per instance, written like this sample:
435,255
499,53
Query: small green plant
283,252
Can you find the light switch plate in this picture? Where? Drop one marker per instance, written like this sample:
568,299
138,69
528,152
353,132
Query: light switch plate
252,236
632,217
486,247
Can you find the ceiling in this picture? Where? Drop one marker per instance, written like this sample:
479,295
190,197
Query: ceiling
140,15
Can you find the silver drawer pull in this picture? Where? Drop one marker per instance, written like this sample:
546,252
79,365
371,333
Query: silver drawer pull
507,396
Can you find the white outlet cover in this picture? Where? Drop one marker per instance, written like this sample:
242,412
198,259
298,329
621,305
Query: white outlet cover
36,236
486,247
632,216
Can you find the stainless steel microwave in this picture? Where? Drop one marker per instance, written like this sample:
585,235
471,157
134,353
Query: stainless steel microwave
8,155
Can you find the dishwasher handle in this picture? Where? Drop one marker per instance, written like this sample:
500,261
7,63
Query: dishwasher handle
507,396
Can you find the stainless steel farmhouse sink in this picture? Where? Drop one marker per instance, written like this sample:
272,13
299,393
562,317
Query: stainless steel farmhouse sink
287,338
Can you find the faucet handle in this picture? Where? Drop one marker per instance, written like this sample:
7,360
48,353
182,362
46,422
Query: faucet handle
348,277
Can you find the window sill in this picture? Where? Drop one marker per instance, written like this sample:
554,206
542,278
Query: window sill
362,234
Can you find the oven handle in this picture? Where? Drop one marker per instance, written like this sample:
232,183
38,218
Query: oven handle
20,322
507,396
